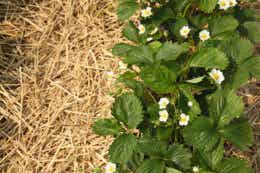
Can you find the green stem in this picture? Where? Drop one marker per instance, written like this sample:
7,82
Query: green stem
150,94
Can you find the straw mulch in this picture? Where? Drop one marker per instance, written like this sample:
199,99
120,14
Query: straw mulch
53,55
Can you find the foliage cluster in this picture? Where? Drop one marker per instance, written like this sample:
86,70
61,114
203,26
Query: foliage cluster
185,63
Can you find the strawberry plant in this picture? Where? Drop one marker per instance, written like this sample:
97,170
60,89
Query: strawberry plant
182,68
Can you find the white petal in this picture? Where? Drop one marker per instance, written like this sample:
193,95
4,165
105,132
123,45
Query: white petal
190,104
183,115
163,102
122,66
149,39
195,169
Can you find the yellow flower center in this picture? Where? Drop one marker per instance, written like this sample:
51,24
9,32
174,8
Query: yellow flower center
164,104
147,13
183,119
204,36
223,4
186,31
164,116
111,169
215,76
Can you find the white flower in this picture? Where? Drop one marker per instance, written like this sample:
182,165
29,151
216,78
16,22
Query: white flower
163,103
141,29
149,39
146,12
184,120
190,104
224,4
154,31
110,168
184,31
163,115
204,35
217,76
233,3
195,169
110,75
122,66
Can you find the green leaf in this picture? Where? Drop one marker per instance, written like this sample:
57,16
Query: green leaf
158,78
225,36
207,5
174,66
241,74
209,58
196,80
140,55
164,133
201,134
214,157
179,155
170,51
152,111
128,79
135,162
253,31
172,170
151,166
152,147
217,155
239,133
224,106
245,14
128,109
126,75
253,64
199,20
188,94
131,33
136,86
122,149
155,46
238,78
221,24
179,6
122,49
105,127
234,165
161,15
126,9
240,49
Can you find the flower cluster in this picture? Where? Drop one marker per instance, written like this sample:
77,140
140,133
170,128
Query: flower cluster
203,35
163,112
226,4
164,115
